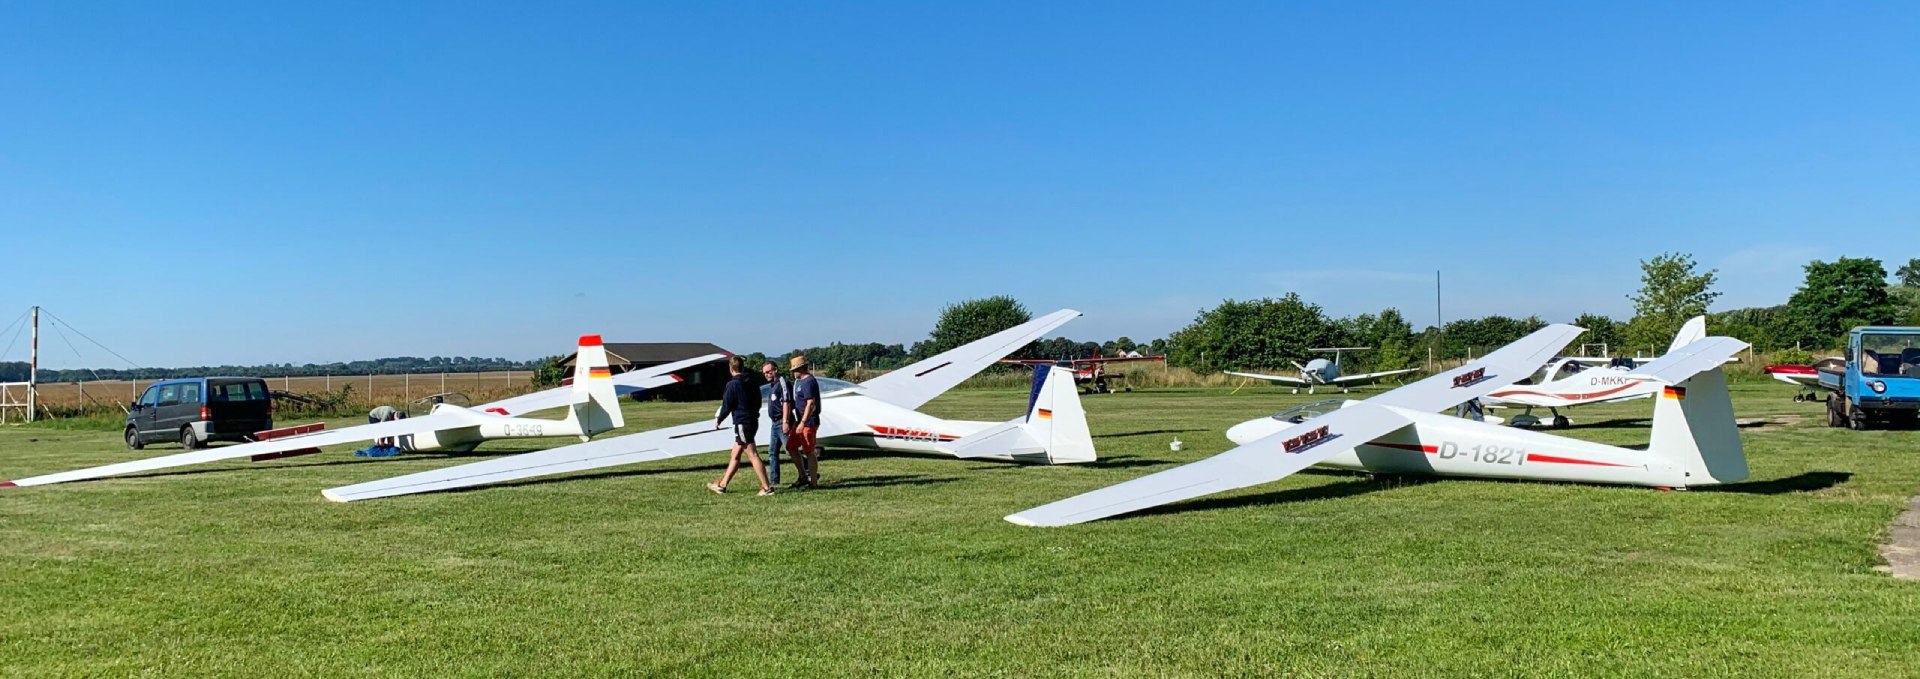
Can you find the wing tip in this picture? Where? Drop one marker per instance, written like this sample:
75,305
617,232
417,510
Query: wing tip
9,484
330,495
1021,520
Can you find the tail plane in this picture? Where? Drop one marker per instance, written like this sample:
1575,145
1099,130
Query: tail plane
596,406
1693,423
1053,431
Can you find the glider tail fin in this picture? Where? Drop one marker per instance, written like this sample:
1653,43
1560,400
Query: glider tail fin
1053,431
1693,423
596,406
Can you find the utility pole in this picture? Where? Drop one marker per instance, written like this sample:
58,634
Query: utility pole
33,369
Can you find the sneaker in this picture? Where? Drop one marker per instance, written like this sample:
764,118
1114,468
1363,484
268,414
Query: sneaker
765,492
717,488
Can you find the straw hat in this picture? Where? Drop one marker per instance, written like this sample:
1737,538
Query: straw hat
798,362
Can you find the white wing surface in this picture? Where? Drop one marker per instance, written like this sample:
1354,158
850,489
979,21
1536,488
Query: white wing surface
623,384
1369,377
366,432
1504,366
1311,441
1270,378
659,444
915,385
1263,461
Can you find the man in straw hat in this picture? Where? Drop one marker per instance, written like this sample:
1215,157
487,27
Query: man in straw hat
806,408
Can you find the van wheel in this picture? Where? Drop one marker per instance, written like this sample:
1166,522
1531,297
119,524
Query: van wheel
133,439
187,439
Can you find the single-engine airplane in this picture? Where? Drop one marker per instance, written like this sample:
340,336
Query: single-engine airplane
1695,441
1322,372
1570,382
592,401
1091,372
879,413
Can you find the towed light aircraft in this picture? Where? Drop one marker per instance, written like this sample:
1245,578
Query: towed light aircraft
877,414
1322,372
1695,441
592,400
1568,382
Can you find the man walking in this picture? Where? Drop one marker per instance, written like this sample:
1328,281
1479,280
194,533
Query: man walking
780,413
741,401
806,409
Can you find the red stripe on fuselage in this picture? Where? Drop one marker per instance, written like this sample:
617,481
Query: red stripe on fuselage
1536,457
1568,397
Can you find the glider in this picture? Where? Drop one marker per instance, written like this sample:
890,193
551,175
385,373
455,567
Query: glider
1322,372
592,400
1569,382
880,413
1694,442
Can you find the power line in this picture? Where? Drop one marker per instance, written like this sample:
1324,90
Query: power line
76,350
95,342
16,334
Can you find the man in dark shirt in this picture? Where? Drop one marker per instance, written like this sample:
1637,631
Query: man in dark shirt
806,413
741,401
779,416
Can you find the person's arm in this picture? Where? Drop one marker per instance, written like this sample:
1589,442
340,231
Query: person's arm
813,402
786,401
728,400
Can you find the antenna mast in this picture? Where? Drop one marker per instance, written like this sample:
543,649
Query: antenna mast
33,369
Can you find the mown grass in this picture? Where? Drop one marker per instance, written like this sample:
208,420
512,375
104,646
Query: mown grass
903,567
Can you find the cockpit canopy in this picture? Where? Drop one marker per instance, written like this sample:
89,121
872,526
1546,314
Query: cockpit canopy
1305,411
828,387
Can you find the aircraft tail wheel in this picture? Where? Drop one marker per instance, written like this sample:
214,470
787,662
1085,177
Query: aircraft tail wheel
1296,391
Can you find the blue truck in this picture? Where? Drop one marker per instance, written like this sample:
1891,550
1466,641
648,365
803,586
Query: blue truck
1880,383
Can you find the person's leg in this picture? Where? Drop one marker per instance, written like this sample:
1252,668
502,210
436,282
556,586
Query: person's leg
773,453
733,466
759,471
813,453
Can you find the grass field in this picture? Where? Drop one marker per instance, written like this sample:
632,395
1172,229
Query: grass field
902,566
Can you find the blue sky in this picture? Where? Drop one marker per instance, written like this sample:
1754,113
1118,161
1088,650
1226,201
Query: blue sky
254,182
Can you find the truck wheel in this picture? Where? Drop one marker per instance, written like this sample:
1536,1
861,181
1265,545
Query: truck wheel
1858,422
133,439
187,439
1833,411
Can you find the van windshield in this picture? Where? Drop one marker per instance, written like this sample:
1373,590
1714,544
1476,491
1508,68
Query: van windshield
1890,355
234,392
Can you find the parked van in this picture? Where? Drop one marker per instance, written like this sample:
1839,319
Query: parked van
198,410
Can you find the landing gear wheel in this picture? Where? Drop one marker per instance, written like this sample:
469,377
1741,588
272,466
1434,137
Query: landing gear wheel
1561,422
187,439
133,439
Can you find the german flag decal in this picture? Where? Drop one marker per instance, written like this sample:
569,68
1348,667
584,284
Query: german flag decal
1675,393
599,372
1046,414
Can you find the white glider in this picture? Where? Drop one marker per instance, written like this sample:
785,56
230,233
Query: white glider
592,400
1568,382
879,414
1322,372
1695,440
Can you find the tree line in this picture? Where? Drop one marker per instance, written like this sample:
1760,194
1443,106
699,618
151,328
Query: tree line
16,371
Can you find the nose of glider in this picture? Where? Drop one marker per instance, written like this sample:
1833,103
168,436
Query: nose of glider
1253,430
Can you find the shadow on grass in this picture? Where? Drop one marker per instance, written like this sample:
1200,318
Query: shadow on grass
884,481
1805,482
1149,432
1329,491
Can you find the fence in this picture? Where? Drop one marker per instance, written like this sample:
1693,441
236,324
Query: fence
387,389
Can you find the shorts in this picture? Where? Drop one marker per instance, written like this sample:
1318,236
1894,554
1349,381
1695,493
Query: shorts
743,433
802,438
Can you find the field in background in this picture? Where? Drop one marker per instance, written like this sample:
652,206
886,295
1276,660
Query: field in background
901,566
388,389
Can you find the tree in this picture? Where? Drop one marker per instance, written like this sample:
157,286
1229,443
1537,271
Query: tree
1670,293
1838,296
1909,273
1255,334
1477,336
549,373
971,320
1602,330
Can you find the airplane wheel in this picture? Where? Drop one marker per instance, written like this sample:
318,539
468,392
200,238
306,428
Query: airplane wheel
187,439
133,439
1561,422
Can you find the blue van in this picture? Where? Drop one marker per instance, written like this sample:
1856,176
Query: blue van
197,410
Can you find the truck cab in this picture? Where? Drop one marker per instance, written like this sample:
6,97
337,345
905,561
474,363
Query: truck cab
199,410
1880,382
